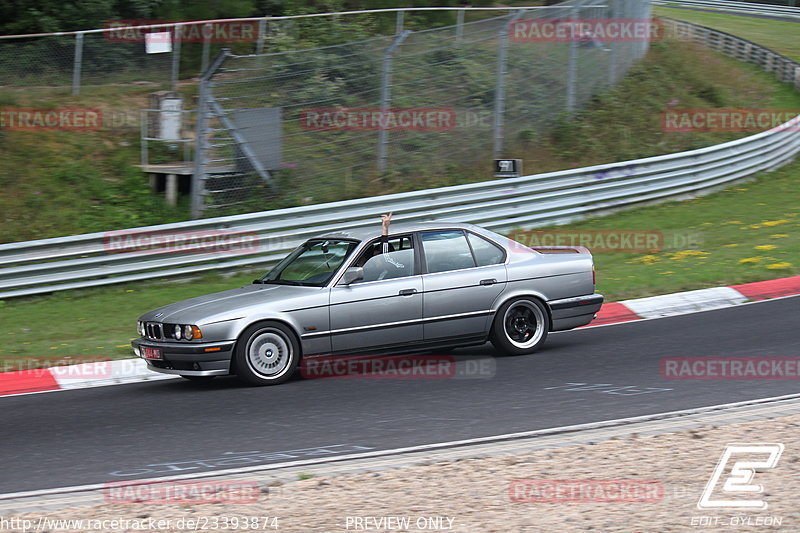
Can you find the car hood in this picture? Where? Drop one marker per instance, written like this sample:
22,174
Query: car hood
231,304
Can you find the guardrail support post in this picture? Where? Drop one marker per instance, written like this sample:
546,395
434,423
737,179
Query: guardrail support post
401,15
78,64
459,24
386,97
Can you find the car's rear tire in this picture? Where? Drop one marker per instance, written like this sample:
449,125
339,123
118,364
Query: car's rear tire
520,326
266,353
199,379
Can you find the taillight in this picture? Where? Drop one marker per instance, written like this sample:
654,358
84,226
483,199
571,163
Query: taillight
594,275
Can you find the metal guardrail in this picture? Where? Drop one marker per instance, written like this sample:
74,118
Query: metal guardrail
80,261
782,67
736,7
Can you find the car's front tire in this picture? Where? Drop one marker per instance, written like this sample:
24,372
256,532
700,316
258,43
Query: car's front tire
520,326
267,353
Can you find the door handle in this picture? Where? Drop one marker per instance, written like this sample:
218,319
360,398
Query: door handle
491,281
407,292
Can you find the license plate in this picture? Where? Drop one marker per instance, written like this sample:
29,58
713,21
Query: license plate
151,353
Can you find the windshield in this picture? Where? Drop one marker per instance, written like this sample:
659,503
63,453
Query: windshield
312,263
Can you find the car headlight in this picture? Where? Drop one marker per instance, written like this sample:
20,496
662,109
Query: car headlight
140,328
186,332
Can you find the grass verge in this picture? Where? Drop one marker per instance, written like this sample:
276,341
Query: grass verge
776,35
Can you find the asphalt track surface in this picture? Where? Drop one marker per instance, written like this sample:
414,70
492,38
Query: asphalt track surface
117,433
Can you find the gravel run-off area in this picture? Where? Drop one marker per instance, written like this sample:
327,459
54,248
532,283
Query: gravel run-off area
574,488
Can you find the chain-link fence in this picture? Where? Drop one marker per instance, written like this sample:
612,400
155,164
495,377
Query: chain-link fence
400,112
157,53
390,104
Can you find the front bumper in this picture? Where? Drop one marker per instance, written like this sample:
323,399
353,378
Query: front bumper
188,359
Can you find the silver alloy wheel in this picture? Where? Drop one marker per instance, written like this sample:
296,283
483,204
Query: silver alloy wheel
523,324
269,353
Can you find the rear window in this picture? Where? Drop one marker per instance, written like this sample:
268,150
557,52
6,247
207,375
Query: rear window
486,253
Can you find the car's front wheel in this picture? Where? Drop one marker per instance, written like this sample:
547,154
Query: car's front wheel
520,326
267,353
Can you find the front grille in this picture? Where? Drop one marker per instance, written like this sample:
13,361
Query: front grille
154,330
161,332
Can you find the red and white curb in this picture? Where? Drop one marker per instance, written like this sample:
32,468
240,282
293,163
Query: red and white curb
80,376
120,372
680,303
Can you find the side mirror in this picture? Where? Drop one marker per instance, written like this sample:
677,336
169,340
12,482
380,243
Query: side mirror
352,274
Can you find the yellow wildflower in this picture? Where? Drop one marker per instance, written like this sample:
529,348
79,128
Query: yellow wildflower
778,236
765,247
779,266
747,260
683,254
646,259
770,223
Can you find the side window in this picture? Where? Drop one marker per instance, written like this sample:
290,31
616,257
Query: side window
446,250
395,261
486,253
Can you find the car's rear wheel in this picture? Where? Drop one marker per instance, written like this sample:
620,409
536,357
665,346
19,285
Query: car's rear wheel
520,326
267,353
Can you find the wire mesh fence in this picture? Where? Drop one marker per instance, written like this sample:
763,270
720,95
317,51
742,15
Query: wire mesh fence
158,53
392,101
414,109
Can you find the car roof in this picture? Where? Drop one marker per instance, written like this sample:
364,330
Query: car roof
374,231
